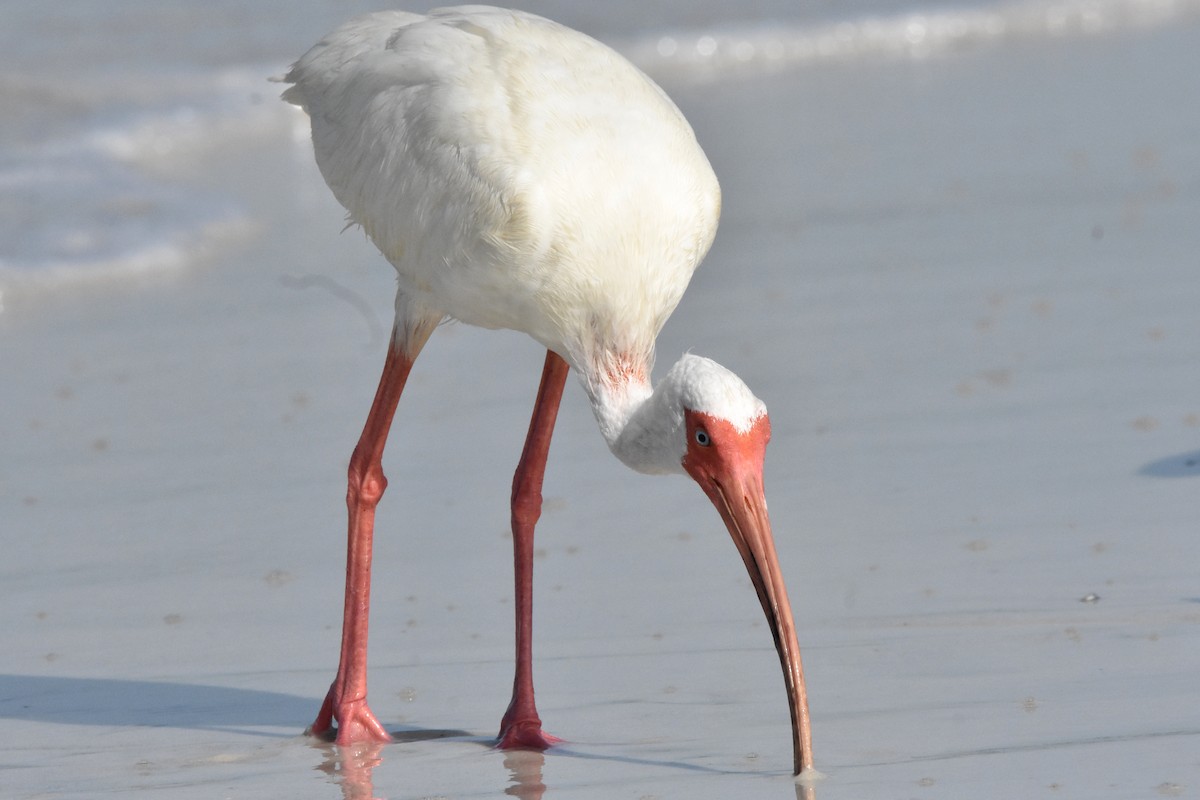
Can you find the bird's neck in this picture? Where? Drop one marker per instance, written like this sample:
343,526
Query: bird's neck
638,422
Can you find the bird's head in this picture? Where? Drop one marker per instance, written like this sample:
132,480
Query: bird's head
727,430
703,420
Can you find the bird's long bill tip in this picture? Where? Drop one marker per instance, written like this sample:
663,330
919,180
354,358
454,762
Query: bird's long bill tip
743,507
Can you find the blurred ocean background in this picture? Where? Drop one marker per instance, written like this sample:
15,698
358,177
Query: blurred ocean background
114,110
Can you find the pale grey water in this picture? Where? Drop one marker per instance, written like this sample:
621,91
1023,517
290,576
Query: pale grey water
112,108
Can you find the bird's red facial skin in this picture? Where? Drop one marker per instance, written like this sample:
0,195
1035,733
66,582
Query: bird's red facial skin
728,451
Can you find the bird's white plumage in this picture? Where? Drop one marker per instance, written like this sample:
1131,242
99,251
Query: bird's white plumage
706,386
653,439
519,174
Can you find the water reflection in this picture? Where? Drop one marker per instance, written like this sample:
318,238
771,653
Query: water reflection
525,772
351,767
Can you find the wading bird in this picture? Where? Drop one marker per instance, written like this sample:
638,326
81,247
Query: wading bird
519,174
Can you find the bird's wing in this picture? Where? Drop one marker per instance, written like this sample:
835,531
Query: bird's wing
409,123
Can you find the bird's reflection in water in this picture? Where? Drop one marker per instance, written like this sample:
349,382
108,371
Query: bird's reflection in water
525,770
351,766
805,791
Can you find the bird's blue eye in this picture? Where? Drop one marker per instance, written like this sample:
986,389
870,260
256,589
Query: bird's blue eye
702,437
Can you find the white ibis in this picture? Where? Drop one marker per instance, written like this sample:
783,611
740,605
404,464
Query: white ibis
519,174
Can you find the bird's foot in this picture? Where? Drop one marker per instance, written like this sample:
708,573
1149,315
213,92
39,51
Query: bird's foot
355,722
525,735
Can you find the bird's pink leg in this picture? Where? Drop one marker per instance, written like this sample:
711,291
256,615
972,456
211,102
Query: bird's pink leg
521,726
346,702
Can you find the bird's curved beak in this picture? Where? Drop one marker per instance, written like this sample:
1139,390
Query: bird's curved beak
735,487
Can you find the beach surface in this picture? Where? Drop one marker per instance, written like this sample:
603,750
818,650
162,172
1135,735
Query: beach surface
961,265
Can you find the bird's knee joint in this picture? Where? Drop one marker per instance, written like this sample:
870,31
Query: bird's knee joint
366,483
526,507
